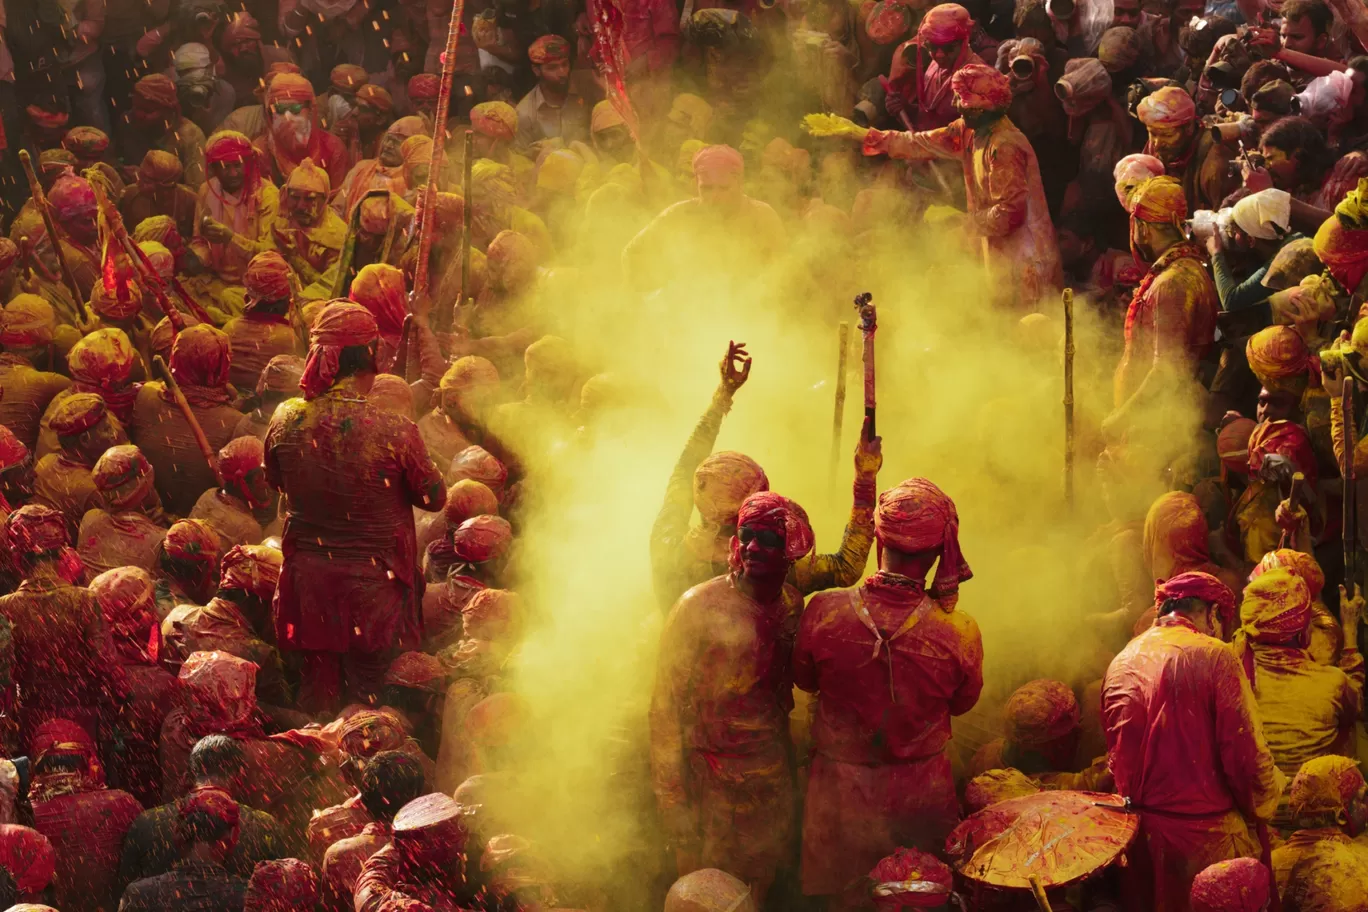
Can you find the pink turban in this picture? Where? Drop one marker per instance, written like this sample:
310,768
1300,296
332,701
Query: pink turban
1238,885
979,87
918,516
340,325
1167,107
718,162
767,510
944,24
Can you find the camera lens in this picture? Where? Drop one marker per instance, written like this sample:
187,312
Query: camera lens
1229,97
1023,66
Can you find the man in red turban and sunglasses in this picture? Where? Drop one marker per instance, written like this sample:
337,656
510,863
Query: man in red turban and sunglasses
721,757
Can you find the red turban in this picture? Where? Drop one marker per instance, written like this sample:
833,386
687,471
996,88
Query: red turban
35,529
944,24
719,162
103,360
1159,200
62,736
1283,438
213,802
191,540
86,142
289,87
722,482
1344,251
918,516
478,464
254,569
418,671
242,25
1166,107
467,498
267,278
128,602
767,510
1232,445
376,96
495,119
200,356
1277,353
156,91
71,197
231,146
1040,712
49,120
979,87
368,732
902,880
888,22
123,476
482,538
1238,885
223,687
1276,607
490,614
549,49
424,87
380,289
12,449
28,857
77,414
1196,585
1298,563
282,885
340,325
239,457
108,303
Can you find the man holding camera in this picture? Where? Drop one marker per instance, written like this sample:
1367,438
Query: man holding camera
1191,155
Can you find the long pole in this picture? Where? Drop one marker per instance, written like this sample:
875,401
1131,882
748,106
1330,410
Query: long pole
426,211
467,224
1068,399
1349,513
141,264
869,322
40,200
184,405
842,347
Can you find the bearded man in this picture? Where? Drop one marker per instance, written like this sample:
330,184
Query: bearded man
294,135
309,234
721,758
242,65
923,89
1007,206
384,172
155,122
551,110
236,211
1188,151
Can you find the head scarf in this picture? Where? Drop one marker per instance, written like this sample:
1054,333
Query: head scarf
127,598
719,163
424,87
281,375
1276,607
12,449
417,671
1202,586
604,117
239,457
391,393
36,529
289,87
1324,785
156,92
107,302
415,151
229,146
1341,242
267,278
213,802
368,732
159,228
1166,107
979,87
549,49
62,737
997,785
1298,563
77,414
767,510
491,614
192,540
1158,200
28,856
899,878
159,168
495,119
722,482
72,198
888,22
86,142
159,257
1175,536
347,77
309,178
1238,885
468,498
945,23
380,289
479,464
9,253
254,569
1287,439
103,361
200,362
241,25
1264,215
340,325
377,97
1040,712
1277,353
45,119
559,171
482,538
470,372
123,476
282,885
1131,171
918,516
224,691
28,321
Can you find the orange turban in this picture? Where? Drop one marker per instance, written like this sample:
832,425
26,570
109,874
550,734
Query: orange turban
1283,438
392,394
467,498
156,91
12,449
470,372
281,375
944,24
1158,200
241,25
1277,353
1324,785
254,569
722,482
377,97
123,476
28,856
979,87
495,119
1232,445
490,614
77,414
289,87
604,117
86,142
380,289
1298,563
1175,536
267,278
28,321
309,178
200,357
1167,107
347,77
482,538
549,49
1040,712
417,671
918,516
160,168
340,325
1238,885
1341,242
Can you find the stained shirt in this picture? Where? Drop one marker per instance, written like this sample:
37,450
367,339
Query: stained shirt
192,886
162,433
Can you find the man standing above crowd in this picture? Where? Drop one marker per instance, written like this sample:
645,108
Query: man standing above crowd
551,110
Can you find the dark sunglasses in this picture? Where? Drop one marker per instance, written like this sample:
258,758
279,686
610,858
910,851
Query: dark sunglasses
289,107
765,537
944,48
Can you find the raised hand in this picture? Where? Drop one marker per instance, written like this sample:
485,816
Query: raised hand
736,367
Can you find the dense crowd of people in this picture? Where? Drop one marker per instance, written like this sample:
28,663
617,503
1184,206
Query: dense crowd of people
282,368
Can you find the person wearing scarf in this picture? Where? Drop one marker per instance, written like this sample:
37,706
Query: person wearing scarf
236,210
309,234
1006,200
29,859
1326,637
1308,709
219,693
721,758
279,381
349,592
1185,744
883,713
924,65
1176,293
424,861
200,362
389,780
1278,447
159,190
294,134
80,815
384,172
63,480
130,525
1175,542
187,565
461,407
265,328
1327,803
100,363
27,328
238,510
381,289
282,885
72,202
1238,885
127,597
156,124
1188,152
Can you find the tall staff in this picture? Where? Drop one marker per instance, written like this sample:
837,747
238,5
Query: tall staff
1349,516
1068,399
868,324
40,200
429,199
842,346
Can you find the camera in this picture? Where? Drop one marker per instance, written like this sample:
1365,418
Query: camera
1023,67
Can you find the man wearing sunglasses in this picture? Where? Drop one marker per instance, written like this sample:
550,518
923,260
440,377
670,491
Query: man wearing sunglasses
721,757
922,66
880,775
294,134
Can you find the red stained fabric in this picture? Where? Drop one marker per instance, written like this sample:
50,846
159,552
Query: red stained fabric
34,528
906,865
231,146
1283,438
283,885
267,277
254,569
1196,585
12,449
211,801
1159,200
491,614
223,688
28,856
240,457
478,464
916,515
341,324
200,361
417,670
468,498
979,87
424,87
128,598
71,197
1040,712
1298,563
721,484
101,363
191,540
482,538
156,91
766,509
87,831
380,289
945,23
1238,885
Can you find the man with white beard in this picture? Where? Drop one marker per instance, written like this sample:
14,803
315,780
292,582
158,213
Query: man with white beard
294,134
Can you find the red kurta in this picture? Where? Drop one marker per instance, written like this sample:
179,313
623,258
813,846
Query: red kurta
880,775
87,831
1185,745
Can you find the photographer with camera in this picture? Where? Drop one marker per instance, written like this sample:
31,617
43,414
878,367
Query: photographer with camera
1190,154
204,98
